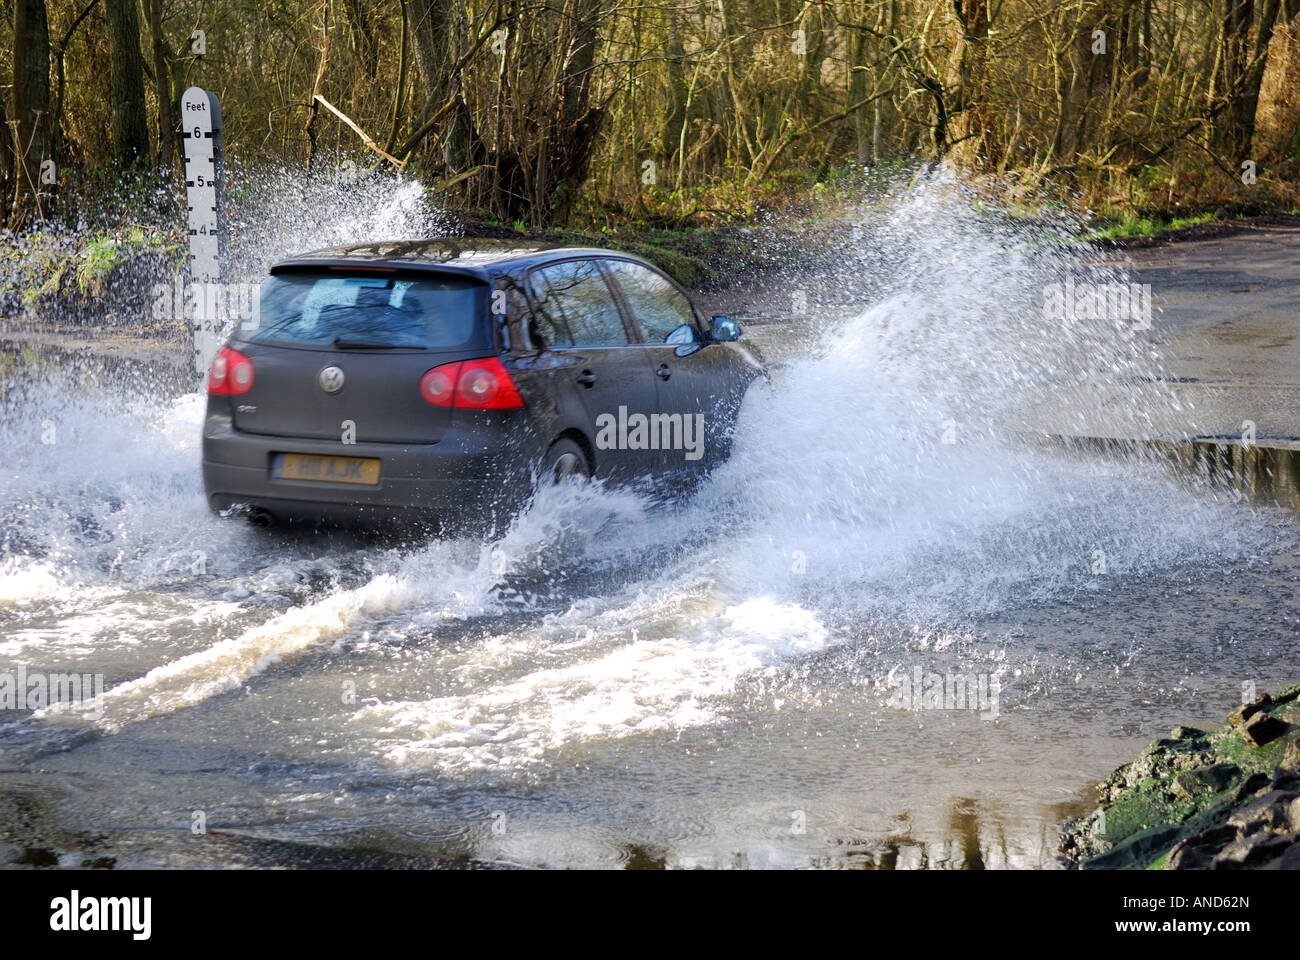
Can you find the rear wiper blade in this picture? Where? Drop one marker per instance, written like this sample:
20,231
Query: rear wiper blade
342,344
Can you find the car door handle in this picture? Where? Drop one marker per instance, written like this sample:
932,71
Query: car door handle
587,378
663,372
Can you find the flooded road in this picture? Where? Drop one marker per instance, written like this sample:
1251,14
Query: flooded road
892,632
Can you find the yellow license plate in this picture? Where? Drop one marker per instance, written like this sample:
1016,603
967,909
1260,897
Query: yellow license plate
299,466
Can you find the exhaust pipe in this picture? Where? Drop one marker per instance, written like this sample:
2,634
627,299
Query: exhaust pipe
261,517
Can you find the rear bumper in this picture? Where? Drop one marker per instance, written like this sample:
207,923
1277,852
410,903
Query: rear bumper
467,475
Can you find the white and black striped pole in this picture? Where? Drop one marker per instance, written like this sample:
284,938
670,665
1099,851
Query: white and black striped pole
201,130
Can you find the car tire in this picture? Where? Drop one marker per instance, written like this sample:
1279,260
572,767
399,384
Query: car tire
565,461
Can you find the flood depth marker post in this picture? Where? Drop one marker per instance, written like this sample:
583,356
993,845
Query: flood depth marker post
201,130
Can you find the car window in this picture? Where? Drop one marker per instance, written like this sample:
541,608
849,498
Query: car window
548,318
658,306
517,324
575,306
317,309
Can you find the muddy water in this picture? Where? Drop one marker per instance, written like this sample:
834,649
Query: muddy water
714,681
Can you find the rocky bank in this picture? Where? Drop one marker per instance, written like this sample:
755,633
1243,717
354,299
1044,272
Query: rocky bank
1227,799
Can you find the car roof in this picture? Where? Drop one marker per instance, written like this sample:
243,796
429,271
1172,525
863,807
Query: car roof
478,258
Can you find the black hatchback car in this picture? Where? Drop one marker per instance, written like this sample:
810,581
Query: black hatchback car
446,379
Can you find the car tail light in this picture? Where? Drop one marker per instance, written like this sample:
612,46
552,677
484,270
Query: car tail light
231,373
485,384
471,385
438,386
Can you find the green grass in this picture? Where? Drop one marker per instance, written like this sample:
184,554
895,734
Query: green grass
97,260
1131,225
42,264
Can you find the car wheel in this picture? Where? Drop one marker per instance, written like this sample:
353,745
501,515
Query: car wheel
564,462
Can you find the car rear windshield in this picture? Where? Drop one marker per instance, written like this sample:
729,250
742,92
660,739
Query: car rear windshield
366,311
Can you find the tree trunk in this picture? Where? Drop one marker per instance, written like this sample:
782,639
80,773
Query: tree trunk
857,93
126,82
570,160
1229,70
431,24
677,92
424,21
31,103
976,119
364,46
1248,101
163,87
6,164
1088,81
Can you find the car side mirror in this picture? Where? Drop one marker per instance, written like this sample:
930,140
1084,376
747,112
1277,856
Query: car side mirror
683,334
724,330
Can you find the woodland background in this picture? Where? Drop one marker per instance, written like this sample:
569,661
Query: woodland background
598,112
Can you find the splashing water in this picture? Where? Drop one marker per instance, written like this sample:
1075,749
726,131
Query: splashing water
886,505
106,267
277,212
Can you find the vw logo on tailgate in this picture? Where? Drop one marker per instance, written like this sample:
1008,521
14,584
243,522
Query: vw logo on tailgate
331,379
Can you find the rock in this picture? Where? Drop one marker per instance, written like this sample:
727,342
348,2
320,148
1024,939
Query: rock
1161,760
1263,728
1291,758
1284,779
1254,851
1251,786
1290,859
1244,712
1211,779
1186,733
1287,695
1269,812
37,857
1135,850
1185,857
1197,851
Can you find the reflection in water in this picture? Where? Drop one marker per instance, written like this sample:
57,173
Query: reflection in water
1260,474
638,857
974,837
961,849
1263,475
964,822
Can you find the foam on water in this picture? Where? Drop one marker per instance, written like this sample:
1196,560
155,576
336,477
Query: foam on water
613,685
